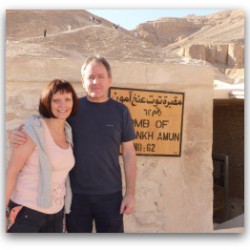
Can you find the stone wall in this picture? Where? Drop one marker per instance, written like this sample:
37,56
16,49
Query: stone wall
173,194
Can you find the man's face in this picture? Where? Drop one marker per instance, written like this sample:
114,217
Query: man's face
96,82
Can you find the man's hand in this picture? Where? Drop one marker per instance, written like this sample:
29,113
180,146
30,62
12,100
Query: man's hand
128,204
17,137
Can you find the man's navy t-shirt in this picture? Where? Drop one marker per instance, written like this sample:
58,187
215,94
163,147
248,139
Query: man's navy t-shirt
98,130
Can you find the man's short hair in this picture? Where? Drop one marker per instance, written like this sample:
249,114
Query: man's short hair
99,59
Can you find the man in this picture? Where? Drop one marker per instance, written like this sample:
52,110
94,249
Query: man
99,128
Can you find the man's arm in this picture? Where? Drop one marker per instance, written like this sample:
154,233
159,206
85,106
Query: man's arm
129,160
17,137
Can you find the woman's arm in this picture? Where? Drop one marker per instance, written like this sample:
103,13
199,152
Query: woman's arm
17,160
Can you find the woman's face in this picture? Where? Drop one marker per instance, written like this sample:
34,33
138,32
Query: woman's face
61,105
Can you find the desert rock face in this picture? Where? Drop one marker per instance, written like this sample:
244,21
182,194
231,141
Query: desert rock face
167,30
224,26
217,39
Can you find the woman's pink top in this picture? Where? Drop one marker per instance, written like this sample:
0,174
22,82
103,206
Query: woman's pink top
26,189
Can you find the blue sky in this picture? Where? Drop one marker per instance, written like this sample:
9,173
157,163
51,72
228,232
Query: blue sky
130,18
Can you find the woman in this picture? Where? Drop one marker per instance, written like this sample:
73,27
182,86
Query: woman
37,173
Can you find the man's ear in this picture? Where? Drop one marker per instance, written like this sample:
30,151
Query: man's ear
110,80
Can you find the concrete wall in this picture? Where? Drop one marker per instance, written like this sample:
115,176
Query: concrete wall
173,194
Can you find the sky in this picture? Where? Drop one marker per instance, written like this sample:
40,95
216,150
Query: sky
129,18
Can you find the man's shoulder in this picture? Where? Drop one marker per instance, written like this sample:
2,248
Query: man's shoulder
82,99
118,104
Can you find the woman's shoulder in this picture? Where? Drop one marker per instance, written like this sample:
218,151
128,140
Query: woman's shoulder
34,127
34,120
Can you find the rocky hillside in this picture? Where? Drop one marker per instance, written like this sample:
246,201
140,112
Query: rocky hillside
75,34
224,26
216,39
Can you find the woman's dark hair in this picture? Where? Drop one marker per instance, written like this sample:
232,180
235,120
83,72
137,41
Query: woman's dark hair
52,88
